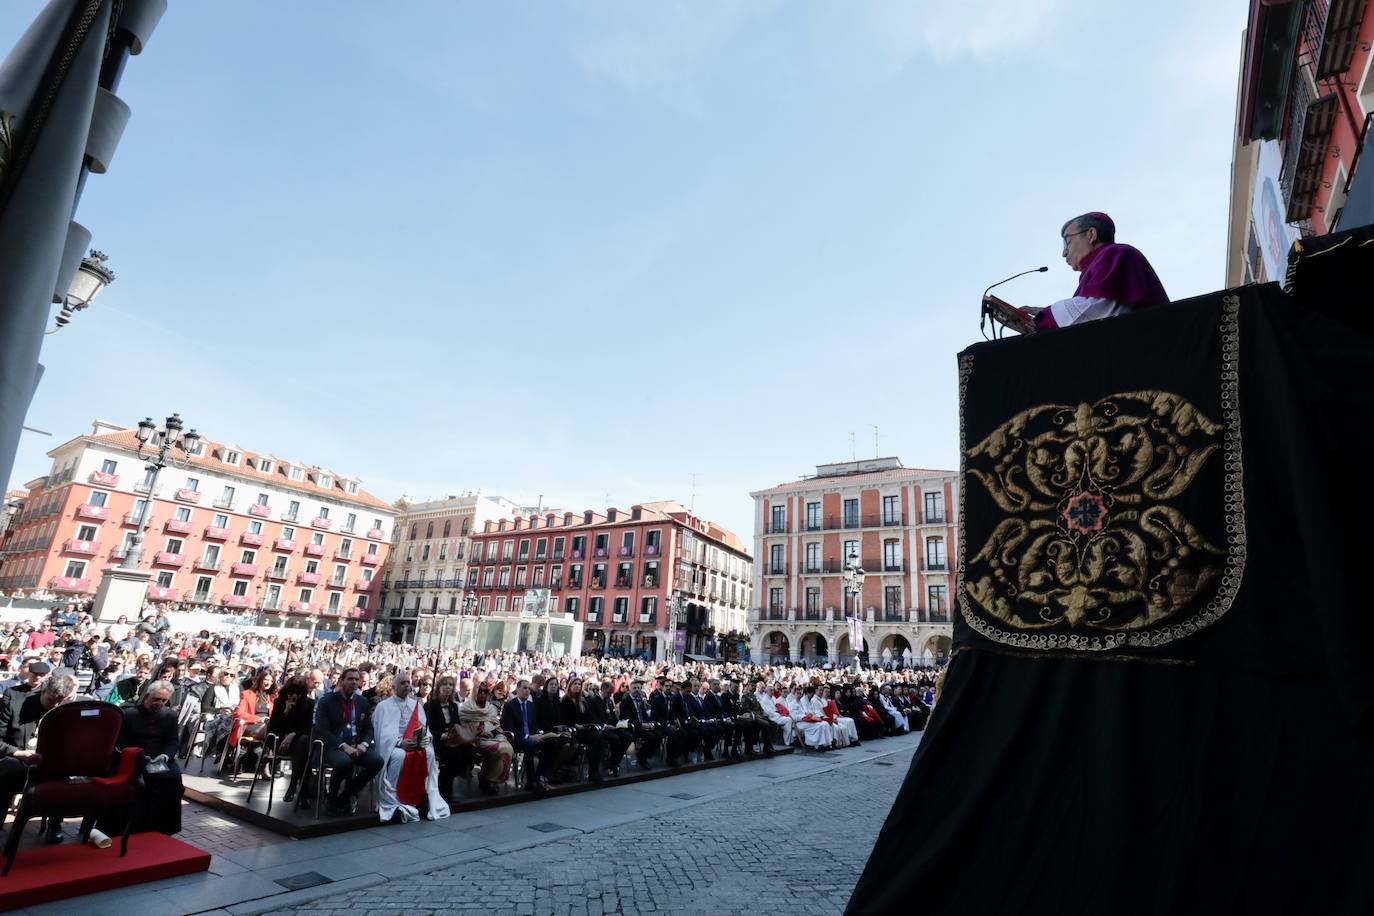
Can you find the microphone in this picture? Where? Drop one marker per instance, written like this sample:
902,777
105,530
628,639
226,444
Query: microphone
983,320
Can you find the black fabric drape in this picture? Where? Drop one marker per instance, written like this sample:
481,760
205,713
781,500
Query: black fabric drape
1128,726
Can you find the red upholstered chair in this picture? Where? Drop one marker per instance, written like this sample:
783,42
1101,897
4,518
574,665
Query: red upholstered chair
73,778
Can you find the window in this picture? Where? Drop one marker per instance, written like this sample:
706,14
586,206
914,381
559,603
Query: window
326,480
776,565
775,600
813,557
892,555
352,522
334,599
86,533
621,609
429,530
165,578
273,598
507,550
467,524
851,549
505,577
892,598
148,478
255,527
317,537
75,569
537,579
312,566
851,513
627,540
485,606
203,584
541,548
412,531
174,545
372,550
477,551
297,474
248,556
305,595
108,466
572,606
648,607
288,533
501,604
651,574
239,588
192,484
346,548
935,553
424,553
97,498
813,603
262,499
623,573
324,512
221,520
558,548
362,599
183,513
367,574
279,566
575,575
443,551
892,510
935,507
227,497
936,598
520,577
486,578
265,465
211,555
525,549
340,574
293,509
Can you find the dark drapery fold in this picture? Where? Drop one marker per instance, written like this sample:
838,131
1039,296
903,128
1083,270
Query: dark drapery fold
1161,694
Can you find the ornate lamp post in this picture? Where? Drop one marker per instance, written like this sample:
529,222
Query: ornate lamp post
853,579
674,614
123,588
91,277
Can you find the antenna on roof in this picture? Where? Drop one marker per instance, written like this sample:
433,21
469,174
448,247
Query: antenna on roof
853,449
875,440
692,506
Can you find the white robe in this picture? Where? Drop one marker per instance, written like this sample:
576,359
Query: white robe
846,732
1078,309
893,711
389,723
770,709
814,734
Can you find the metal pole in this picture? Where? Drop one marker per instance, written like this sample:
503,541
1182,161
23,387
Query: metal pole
135,551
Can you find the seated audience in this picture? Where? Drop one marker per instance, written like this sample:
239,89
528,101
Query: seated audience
343,722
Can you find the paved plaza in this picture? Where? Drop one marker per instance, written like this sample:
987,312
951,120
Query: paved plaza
782,835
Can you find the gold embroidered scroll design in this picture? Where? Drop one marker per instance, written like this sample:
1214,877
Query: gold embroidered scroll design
1087,539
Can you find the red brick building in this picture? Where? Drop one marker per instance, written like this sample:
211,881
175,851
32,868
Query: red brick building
618,573
236,531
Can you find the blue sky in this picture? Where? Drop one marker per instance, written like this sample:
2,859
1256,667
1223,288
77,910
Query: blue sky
588,250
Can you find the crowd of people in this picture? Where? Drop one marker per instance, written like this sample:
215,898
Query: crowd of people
412,721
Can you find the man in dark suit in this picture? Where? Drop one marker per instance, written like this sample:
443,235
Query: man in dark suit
343,721
667,722
749,712
638,711
518,719
20,711
708,732
718,712
152,725
602,706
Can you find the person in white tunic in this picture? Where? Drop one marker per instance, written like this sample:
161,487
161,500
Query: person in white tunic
402,735
885,697
815,731
775,708
846,732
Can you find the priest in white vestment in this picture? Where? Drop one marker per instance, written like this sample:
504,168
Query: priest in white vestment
815,731
775,708
410,774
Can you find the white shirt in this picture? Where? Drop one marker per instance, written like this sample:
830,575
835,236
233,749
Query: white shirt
1078,309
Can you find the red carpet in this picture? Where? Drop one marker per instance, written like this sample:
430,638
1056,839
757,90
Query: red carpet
58,872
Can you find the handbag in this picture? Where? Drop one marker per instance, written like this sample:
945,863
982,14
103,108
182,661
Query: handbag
463,735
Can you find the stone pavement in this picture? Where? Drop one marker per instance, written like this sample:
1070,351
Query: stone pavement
788,834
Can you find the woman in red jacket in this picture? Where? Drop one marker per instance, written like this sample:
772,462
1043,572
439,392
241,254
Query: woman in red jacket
255,706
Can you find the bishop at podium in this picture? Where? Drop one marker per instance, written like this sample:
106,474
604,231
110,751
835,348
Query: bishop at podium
1113,278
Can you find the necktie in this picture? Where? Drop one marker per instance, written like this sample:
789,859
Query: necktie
525,715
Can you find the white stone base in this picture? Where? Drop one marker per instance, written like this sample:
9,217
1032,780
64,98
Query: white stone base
121,592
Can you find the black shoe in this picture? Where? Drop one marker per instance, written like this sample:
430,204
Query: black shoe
674,762
768,750
336,807
53,834
706,755
290,795
613,771
643,764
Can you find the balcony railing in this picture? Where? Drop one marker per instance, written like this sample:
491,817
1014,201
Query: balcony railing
285,544
279,572
86,510
165,558
308,578
243,569
626,552
600,553
337,582
344,555
216,534
374,534
261,510
302,607
576,554
321,522
290,516
161,593
893,566
941,566
238,601
364,585
188,496
101,479
890,521
135,519
775,569
85,548
176,526
225,504
251,539
315,550
370,559
935,518
774,527
348,529
69,584
211,565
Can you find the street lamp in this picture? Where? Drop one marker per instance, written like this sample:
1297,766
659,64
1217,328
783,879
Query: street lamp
674,613
91,277
853,579
160,447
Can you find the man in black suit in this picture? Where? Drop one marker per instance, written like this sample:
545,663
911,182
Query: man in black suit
343,721
718,713
152,725
708,731
649,723
602,706
20,711
519,720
